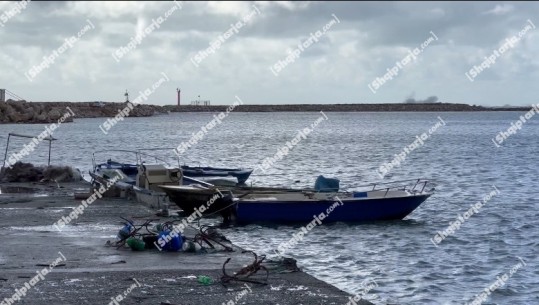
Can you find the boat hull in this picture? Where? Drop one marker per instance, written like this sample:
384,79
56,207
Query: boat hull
348,210
241,174
152,199
190,200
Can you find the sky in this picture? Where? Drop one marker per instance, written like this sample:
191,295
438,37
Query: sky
482,53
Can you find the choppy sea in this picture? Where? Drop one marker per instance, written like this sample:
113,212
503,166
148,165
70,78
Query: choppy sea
499,241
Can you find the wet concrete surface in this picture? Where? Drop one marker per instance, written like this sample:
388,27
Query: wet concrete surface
90,272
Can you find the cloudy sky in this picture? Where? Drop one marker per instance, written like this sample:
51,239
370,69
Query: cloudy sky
256,54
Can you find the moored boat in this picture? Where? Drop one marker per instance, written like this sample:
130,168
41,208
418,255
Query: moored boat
196,193
394,200
382,203
139,180
215,175
130,170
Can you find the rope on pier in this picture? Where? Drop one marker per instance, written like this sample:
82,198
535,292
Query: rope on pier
244,274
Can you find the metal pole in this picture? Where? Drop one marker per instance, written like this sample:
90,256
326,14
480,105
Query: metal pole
50,144
424,185
5,155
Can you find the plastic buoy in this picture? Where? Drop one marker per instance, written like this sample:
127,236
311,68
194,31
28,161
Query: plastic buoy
136,244
125,232
205,280
173,243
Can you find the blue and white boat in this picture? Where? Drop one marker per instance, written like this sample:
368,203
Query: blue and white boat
382,202
212,175
130,170
138,179
144,180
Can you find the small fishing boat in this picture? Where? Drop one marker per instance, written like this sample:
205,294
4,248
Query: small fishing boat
386,202
393,200
139,180
143,181
113,179
129,170
196,193
214,175
145,185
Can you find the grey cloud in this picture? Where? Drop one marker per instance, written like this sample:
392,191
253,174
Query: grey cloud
370,38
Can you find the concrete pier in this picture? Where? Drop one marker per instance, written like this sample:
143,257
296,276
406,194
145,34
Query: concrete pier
90,272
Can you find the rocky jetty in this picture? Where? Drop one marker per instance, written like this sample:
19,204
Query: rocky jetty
23,112
50,112
27,172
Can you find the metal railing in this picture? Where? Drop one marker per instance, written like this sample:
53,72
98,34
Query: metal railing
11,134
405,185
138,155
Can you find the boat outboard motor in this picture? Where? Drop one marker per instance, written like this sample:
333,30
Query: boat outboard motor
175,174
226,205
326,185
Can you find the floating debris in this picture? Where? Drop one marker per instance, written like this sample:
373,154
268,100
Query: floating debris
205,280
119,262
48,265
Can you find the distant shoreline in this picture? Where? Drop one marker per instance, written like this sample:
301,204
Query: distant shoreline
395,107
13,112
